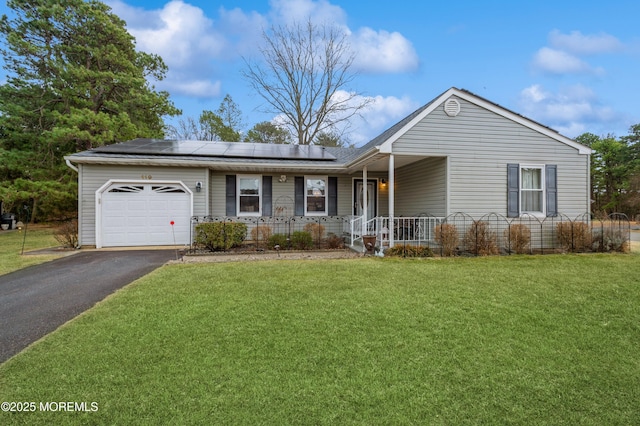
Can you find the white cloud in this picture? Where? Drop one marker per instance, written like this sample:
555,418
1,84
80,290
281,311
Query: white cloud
184,36
194,88
320,12
133,16
200,51
533,93
383,51
571,111
375,51
382,113
560,62
242,30
582,44
565,52
186,40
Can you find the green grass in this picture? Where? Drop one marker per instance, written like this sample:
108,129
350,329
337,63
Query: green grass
11,243
504,340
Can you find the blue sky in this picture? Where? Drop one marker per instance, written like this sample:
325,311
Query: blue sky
571,65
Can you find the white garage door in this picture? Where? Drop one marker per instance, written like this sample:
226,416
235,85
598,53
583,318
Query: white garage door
142,215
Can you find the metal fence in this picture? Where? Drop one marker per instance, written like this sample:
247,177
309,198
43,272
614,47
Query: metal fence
285,232
461,235
458,234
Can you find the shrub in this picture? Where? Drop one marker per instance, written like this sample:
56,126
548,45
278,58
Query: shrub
67,234
409,251
261,233
316,231
519,237
279,240
218,236
301,240
334,241
574,236
564,235
481,239
447,237
611,239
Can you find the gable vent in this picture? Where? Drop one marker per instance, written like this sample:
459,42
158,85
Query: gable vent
452,107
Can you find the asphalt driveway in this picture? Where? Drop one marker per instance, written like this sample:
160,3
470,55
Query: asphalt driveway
37,300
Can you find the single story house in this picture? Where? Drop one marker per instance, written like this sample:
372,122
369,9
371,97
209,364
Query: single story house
458,153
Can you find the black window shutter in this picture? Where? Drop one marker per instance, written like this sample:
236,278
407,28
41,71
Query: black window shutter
267,195
230,195
551,185
513,190
299,196
332,193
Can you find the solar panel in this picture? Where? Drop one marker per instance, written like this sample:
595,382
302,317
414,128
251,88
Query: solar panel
211,150
217,149
239,150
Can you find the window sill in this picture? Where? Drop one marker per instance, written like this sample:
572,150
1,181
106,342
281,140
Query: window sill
539,215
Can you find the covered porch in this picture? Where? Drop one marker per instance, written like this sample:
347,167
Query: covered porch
385,232
408,200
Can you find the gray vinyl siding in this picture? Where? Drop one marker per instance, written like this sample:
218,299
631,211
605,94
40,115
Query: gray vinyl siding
345,197
282,193
92,177
383,196
480,144
424,188
217,187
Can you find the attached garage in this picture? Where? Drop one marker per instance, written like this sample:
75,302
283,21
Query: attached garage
143,214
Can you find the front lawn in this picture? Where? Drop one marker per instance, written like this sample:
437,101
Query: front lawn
12,242
503,340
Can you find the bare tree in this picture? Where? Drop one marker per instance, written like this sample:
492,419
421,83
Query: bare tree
185,129
305,78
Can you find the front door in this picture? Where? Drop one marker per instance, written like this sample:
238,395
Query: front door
372,198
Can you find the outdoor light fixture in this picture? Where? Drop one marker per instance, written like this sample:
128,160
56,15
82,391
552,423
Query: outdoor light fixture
198,186
282,178
383,182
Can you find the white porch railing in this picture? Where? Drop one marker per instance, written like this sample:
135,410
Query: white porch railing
412,230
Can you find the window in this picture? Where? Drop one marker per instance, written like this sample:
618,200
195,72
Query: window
249,193
531,189
315,195
127,188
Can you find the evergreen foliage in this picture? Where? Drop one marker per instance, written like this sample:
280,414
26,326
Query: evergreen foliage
74,81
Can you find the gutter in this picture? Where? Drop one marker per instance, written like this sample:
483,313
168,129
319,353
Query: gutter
364,158
205,163
123,159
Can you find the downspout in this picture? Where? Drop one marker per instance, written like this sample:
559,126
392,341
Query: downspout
589,185
365,201
447,184
392,197
71,166
75,169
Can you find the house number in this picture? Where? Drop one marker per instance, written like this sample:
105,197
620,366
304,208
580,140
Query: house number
146,177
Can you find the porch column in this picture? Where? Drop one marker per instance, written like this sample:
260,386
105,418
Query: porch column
392,201
365,202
